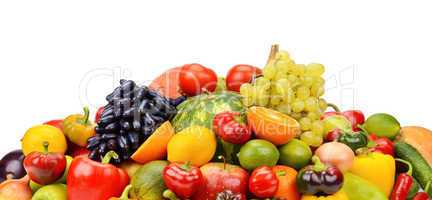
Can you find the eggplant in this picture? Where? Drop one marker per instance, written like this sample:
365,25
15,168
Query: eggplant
11,166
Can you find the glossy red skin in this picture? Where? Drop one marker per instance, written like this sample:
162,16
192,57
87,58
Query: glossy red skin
263,182
421,196
240,74
218,179
56,123
356,117
402,187
183,182
333,135
88,179
383,145
227,128
98,114
195,79
44,168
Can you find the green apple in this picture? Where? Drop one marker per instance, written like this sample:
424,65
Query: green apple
65,173
336,122
51,192
383,125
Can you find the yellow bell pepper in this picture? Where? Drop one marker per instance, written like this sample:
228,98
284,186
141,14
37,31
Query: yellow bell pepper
377,168
78,128
340,195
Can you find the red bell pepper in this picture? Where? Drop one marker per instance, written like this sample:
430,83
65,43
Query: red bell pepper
263,182
381,144
403,183
183,179
91,180
45,167
226,127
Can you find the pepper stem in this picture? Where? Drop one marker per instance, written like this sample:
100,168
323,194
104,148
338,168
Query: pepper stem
86,114
428,186
45,146
333,106
125,194
168,194
186,166
108,156
318,165
224,161
410,168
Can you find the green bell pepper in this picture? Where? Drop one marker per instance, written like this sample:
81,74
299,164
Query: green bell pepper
357,188
355,140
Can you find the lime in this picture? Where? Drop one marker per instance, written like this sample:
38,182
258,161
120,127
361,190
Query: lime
383,125
258,153
295,154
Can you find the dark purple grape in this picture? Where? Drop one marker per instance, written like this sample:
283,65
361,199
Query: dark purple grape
112,144
109,136
107,119
102,149
94,154
125,125
134,139
93,142
127,86
112,127
136,125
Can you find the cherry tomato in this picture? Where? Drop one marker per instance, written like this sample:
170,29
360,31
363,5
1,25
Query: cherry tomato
239,75
263,182
195,79
356,117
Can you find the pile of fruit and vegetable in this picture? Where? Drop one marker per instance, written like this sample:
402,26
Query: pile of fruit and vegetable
191,135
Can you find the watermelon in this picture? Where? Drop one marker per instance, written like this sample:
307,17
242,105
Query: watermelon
200,110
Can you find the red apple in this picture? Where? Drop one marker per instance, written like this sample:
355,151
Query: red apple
219,177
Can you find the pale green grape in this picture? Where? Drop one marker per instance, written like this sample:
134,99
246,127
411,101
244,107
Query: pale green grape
311,104
307,81
269,71
318,127
313,116
317,90
282,66
284,108
302,92
315,69
298,69
280,76
282,55
305,124
262,95
297,106
319,80
262,81
246,91
322,104
289,97
294,80
311,139
275,100
296,115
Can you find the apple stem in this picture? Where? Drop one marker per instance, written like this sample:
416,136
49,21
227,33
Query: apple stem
224,161
86,114
334,107
45,145
108,156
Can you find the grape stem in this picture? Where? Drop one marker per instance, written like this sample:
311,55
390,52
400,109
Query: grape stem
274,50
334,107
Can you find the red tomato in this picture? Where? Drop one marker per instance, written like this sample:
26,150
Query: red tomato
195,79
239,75
263,182
58,123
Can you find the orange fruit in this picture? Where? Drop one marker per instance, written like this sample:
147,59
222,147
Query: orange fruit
155,147
287,188
272,125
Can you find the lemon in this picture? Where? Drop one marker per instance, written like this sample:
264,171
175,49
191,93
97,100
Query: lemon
36,136
195,144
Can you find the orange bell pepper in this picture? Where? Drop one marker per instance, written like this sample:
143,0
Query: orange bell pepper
287,188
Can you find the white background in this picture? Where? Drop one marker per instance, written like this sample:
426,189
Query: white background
48,47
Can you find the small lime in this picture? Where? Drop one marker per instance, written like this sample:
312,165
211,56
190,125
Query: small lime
383,125
257,153
295,154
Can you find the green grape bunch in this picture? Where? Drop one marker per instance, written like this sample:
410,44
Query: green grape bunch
291,88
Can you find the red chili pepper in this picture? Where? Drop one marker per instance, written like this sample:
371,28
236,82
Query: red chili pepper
182,179
44,167
227,128
263,182
99,114
381,144
403,183
88,179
